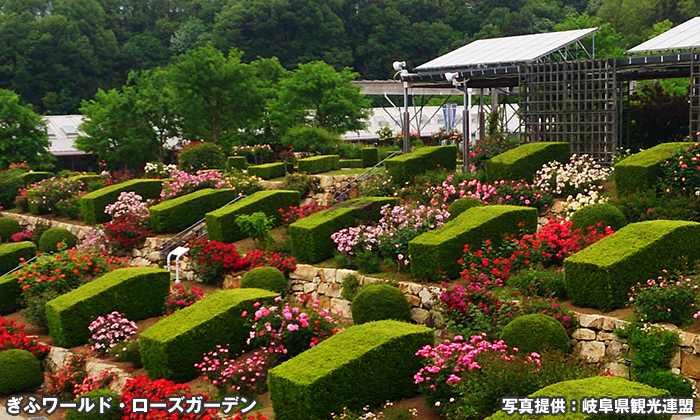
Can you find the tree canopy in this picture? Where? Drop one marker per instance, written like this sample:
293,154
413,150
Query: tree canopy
22,134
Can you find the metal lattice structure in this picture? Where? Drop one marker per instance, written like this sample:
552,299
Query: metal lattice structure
573,102
694,94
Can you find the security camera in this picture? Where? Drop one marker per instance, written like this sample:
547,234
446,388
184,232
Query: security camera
399,65
451,77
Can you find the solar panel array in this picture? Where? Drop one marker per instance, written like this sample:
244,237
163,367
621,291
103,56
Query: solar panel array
512,49
682,37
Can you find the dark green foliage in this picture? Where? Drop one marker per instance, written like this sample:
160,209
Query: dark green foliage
10,292
370,156
51,237
380,301
523,161
266,278
20,371
170,348
175,215
303,183
10,183
434,254
539,282
8,227
87,179
535,333
221,223
403,168
350,286
137,292
201,156
676,385
267,170
648,205
311,139
92,205
640,171
601,275
460,205
32,177
114,413
366,364
351,163
311,236
10,295
236,163
318,164
604,213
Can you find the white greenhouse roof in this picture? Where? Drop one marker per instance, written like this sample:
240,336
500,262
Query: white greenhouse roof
682,37
512,49
62,131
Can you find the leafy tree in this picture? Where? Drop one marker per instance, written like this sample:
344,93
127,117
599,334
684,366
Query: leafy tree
22,134
607,40
658,113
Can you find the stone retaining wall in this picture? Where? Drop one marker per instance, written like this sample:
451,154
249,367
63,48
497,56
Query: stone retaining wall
29,222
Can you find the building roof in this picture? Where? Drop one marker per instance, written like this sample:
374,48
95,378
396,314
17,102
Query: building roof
62,131
683,37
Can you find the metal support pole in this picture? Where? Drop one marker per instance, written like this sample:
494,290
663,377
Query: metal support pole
406,121
482,128
466,138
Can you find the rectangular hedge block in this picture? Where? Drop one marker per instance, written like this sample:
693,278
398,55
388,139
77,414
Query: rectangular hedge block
640,171
351,163
137,292
523,161
10,292
268,170
33,177
93,204
435,253
404,167
601,275
180,213
170,348
370,156
87,178
318,164
366,364
221,223
311,236
236,163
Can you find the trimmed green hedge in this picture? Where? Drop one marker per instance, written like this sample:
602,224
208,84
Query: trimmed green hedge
236,163
267,170
595,387
180,213
87,178
137,292
311,236
370,156
32,177
318,164
92,205
170,348
640,171
10,292
221,223
404,167
366,364
523,161
351,163
601,275
434,254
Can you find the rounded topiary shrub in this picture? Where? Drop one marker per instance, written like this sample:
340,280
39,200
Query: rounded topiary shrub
201,156
268,278
114,413
53,236
379,301
534,333
605,214
20,371
8,227
459,206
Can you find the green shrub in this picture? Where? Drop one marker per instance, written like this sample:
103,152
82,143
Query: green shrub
317,164
648,205
601,275
170,348
201,156
10,183
538,282
311,140
32,177
350,287
434,254
595,387
604,213
370,157
137,292
350,163
266,278
640,171
8,227
92,205
459,206
676,385
51,237
175,215
267,170
380,301
535,333
366,364
10,292
311,236
221,223
87,179
303,183
523,161
238,163
20,371
114,413
403,168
